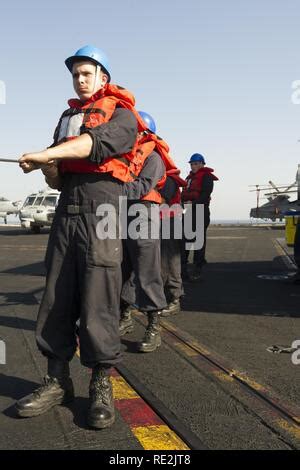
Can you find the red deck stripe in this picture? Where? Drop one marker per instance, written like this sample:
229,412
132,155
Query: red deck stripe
137,413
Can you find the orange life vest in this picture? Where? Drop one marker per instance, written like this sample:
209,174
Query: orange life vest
147,144
98,110
95,111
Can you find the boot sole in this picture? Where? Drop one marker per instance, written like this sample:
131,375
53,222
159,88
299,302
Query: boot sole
169,314
32,413
145,350
99,424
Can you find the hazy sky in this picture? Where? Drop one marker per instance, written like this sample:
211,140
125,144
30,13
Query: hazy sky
216,76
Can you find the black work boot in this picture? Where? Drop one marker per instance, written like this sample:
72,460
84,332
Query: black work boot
101,412
152,339
172,308
126,321
57,389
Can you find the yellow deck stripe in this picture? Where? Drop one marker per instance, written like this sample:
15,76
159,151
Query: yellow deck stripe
222,376
158,438
185,349
121,389
294,430
252,383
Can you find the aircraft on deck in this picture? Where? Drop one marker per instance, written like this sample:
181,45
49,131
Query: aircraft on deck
38,209
278,200
8,207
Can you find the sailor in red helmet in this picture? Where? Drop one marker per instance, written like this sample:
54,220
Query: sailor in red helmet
89,162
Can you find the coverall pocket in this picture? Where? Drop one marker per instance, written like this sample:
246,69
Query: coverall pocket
105,253
105,249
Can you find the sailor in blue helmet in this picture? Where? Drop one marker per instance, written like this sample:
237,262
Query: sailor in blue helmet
83,271
200,183
142,281
148,120
141,262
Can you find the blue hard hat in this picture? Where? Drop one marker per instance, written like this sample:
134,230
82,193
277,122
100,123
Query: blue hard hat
148,120
197,157
91,53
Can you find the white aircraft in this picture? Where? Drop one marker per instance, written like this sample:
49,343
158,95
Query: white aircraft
38,209
8,207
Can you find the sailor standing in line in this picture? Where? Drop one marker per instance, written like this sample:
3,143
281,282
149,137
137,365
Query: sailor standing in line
92,147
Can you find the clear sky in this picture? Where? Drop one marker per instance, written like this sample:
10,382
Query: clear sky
216,75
